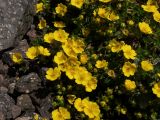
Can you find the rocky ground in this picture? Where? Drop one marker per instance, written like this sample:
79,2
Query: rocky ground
22,96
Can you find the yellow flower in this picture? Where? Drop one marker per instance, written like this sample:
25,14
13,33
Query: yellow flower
101,64
79,105
129,69
130,85
17,58
60,58
102,12
82,76
85,102
130,22
146,65
60,35
56,115
78,45
42,24
67,47
108,14
111,73
83,58
128,52
156,89
92,110
145,28
53,74
91,84
72,61
156,16
43,51
123,111
112,16
59,24
71,72
61,114
77,3
39,7
149,8
63,66
94,13
36,116
105,1
61,9
49,38
32,52
115,45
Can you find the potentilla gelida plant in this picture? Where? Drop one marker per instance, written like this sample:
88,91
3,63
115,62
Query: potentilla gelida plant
102,54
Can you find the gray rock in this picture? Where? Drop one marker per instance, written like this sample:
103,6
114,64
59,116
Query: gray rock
11,88
6,103
16,17
16,111
28,83
24,101
44,103
44,111
3,68
3,90
7,82
2,117
32,33
3,81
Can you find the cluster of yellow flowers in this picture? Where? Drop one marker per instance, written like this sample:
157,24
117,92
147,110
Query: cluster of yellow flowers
129,68
66,59
74,57
34,51
101,64
91,109
31,53
150,7
67,62
117,46
106,13
58,35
